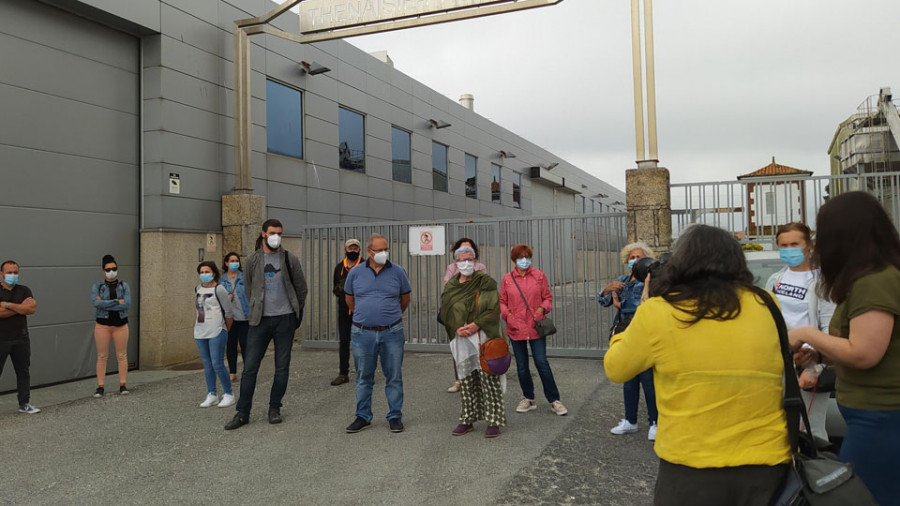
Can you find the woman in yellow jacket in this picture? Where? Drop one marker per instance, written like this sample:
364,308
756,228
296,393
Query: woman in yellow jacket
717,366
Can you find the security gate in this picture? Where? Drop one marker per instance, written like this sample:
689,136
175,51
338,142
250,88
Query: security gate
579,254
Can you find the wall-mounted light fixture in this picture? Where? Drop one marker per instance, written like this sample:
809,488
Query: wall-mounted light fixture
601,196
507,154
313,68
437,124
550,166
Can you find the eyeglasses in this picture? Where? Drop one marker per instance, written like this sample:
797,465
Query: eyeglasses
111,269
378,250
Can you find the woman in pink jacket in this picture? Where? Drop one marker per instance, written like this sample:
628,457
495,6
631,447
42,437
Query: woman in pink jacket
525,298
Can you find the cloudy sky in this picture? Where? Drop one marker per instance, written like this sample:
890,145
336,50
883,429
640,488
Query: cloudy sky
738,81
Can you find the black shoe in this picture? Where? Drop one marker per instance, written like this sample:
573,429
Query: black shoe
340,380
237,422
358,425
395,424
99,392
274,415
123,390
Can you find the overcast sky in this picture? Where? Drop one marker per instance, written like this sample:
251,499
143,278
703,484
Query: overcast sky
738,81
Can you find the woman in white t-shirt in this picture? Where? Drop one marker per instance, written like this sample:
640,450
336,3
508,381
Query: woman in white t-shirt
214,318
795,286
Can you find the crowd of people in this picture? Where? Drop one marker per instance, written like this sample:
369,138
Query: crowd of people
695,335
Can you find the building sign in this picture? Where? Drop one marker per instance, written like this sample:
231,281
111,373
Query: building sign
324,15
426,241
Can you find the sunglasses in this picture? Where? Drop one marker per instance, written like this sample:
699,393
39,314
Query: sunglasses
111,269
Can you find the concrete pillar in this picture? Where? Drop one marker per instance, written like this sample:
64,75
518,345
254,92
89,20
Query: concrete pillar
649,206
242,217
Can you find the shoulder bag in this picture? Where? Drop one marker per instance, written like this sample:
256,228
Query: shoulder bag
815,478
544,327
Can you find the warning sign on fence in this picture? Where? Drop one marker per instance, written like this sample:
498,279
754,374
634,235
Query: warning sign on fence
426,241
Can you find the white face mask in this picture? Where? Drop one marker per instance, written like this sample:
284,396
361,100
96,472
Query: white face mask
381,257
274,241
111,275
466,267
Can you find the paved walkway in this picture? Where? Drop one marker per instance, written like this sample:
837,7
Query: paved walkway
156,446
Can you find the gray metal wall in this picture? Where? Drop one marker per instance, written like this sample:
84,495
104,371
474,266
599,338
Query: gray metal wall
69,119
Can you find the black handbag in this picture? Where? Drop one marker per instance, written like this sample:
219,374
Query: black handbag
544,327
815,478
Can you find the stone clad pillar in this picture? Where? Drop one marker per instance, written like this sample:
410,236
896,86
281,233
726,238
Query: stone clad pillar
242,217
648,200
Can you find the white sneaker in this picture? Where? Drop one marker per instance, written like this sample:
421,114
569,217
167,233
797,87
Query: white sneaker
651,434
228,400
29,409
625,427
211,400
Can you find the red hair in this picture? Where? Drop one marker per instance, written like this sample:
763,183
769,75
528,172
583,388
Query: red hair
520,250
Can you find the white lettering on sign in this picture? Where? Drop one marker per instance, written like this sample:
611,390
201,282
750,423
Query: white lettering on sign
321,15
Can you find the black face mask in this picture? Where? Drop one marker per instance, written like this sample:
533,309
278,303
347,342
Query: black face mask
352,255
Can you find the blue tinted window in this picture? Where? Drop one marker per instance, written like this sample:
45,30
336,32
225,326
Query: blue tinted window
352,142
471,176
439,166
495,183
284,120
401,155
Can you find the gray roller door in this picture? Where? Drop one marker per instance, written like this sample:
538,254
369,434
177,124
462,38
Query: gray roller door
69,176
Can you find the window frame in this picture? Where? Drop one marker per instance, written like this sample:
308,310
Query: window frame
302,118
434,170
474,186
497,197
361,170
409,154
517,190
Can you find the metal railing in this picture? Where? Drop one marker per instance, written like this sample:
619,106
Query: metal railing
755,208
579,254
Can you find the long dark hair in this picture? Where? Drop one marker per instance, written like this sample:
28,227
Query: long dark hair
854,237
704,275
265,228
225,261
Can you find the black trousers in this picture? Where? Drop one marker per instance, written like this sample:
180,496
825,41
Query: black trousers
20,352
733,486
345,319
236,336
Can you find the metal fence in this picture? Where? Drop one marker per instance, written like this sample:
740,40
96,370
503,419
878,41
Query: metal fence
579,254
754,208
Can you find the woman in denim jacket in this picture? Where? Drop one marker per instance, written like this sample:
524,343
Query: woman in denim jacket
111,299
233,281
625,294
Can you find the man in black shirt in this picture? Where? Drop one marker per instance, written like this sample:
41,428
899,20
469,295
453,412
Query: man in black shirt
16,303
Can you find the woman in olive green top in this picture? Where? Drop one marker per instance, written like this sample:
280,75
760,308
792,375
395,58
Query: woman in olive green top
858,251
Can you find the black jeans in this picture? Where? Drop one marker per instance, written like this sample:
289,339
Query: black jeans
20,352
271,328
237,335
345,319
678,485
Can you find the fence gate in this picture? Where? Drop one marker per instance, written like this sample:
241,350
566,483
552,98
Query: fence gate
579,254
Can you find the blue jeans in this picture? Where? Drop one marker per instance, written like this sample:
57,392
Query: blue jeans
871,444
539,354
212,353
271,328
368,345
631,391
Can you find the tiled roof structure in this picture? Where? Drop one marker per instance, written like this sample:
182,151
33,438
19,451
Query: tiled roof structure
774,169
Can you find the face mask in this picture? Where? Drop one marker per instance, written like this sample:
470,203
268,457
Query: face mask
111,275
206,277
274,241
523,263
792,256
233,266
352,255
466,267
631,263
380,257
11,279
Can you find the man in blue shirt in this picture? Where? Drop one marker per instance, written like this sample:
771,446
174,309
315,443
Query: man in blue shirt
377,293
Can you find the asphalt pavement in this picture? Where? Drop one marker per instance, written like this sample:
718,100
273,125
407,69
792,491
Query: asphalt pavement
156,446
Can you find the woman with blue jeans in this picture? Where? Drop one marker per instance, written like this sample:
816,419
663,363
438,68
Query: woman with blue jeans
524,299
214,318
858,254
625,294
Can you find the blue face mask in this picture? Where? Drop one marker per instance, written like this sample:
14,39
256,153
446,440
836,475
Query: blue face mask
206,277
523,263
233,266
11,279
631,263
792,256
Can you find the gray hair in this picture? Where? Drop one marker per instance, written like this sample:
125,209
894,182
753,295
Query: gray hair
641,245
372,239
463,249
